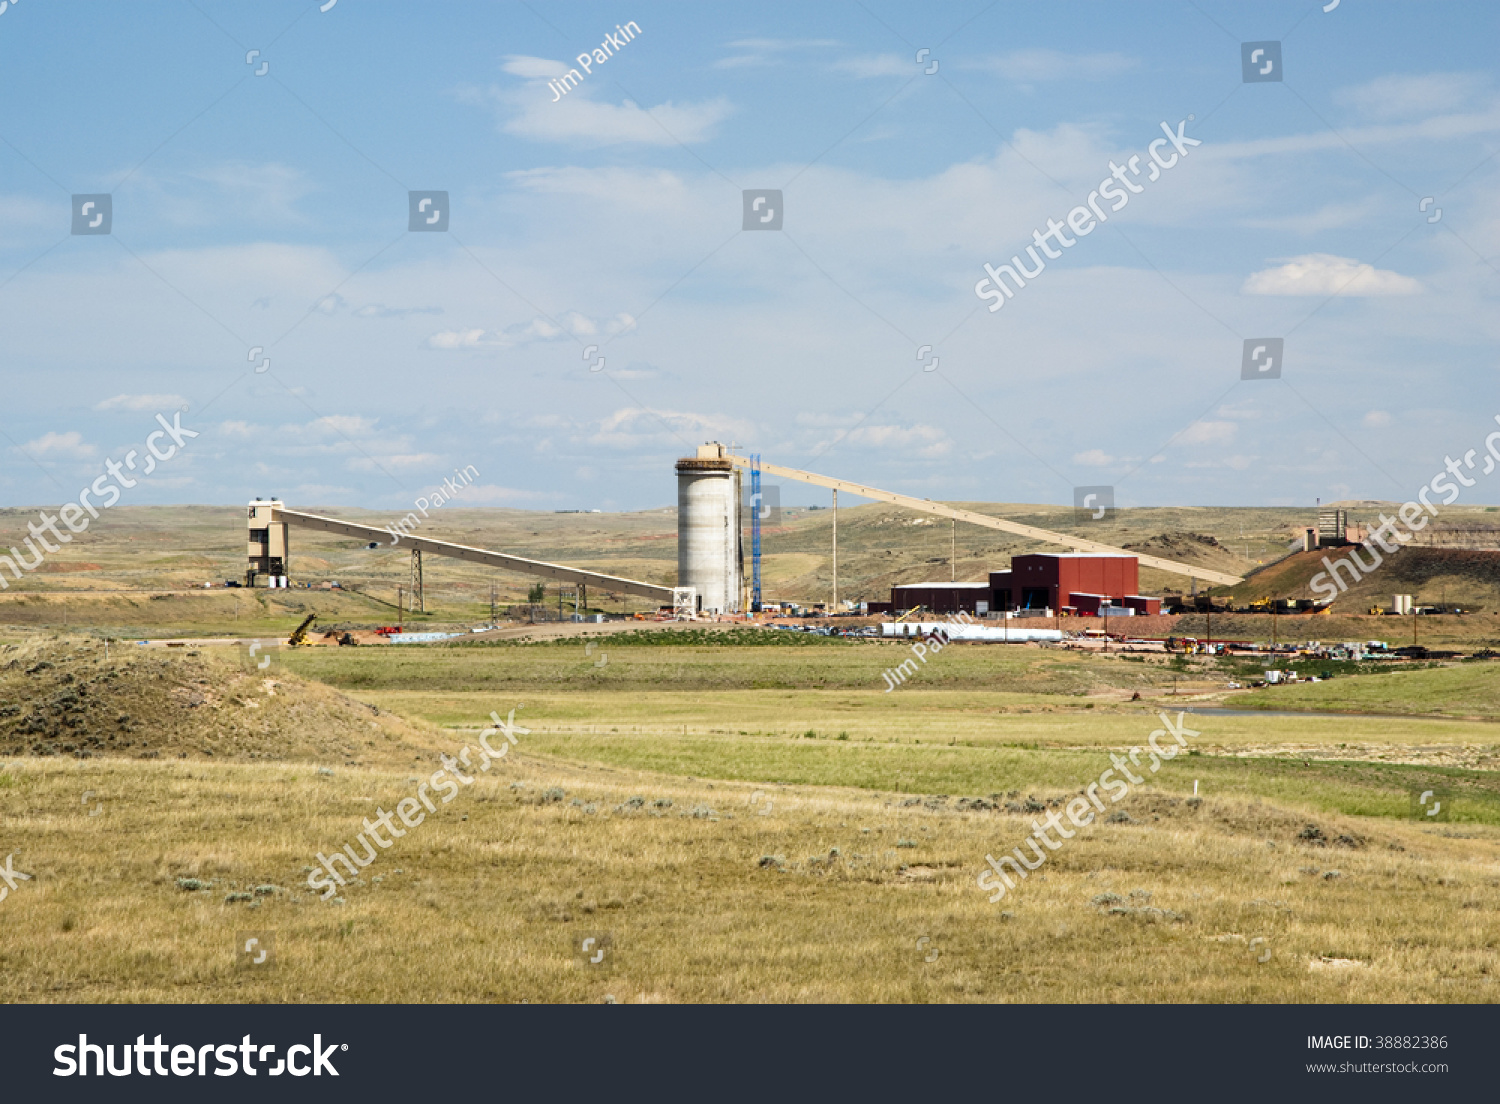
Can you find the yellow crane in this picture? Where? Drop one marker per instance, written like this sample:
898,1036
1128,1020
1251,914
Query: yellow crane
299,635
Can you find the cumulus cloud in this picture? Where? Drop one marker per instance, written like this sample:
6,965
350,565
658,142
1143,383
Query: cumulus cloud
588,122
534,111
925,441
1094,458
61,446
533,68
1209,433
569,323
1377,419
141,402
457,339
1326,274
634,426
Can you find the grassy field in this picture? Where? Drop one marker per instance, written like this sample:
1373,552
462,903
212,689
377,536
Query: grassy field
832,895
818,840
1456,690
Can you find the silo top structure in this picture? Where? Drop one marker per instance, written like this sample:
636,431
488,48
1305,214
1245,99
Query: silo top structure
710,554
269,549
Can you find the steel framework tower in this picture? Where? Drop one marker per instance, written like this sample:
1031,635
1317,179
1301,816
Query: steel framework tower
755,532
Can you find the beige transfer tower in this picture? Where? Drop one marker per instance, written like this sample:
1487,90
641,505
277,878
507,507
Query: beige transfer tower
710,554
269,550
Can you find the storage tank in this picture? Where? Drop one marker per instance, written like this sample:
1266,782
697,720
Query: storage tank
709,553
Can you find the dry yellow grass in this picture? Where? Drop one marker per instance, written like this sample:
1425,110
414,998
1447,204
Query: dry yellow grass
491,898
701,876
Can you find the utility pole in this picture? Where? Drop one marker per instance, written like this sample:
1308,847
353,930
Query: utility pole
494,616
400,607
836,554
953,550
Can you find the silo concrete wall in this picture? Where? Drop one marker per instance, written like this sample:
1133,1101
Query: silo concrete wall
708,533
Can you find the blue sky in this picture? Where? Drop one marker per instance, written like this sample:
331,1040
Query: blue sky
271,211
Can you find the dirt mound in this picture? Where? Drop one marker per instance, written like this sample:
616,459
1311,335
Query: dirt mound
68,697
1198,549
1470,579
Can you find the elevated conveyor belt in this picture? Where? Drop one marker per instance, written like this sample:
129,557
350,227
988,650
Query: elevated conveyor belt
1077,544
610,583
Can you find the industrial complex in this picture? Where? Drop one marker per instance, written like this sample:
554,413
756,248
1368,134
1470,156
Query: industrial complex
1093,578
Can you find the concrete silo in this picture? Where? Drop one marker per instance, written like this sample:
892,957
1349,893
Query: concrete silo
710,556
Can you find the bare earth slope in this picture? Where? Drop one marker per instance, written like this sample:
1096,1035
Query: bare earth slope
71,697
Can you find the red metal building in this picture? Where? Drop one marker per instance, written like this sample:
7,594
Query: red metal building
1065,583
1049,582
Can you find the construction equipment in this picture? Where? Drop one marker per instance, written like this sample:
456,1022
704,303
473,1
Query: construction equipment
299,635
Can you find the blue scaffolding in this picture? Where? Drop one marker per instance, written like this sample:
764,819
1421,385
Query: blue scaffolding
755,514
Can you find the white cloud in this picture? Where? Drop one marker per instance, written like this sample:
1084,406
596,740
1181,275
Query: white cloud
1094,458
634,427
925,441
1405,96
457,339
141,402
538,329
534,111
1377,419
533,68
587,122
63,446
1325,274
1209,433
